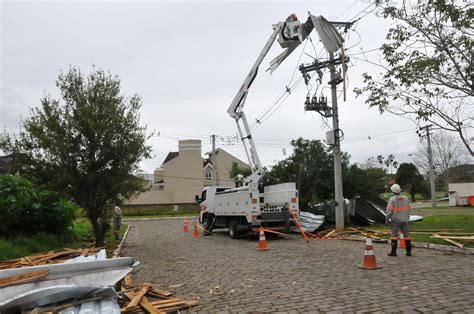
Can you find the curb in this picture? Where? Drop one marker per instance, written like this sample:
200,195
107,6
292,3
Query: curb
159,218
444,248
119,247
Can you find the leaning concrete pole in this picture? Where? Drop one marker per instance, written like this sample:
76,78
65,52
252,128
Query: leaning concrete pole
337,149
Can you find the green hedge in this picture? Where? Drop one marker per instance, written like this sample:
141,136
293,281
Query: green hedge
27,209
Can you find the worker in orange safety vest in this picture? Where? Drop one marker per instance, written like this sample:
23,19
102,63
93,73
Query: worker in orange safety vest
398,215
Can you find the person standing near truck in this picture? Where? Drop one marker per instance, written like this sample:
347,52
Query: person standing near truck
398,215
117,221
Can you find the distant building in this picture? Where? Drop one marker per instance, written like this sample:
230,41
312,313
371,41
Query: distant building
183,175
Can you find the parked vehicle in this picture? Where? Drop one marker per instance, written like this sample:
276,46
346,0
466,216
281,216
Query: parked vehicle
244,208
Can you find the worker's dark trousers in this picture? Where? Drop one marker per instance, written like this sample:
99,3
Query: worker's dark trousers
408,247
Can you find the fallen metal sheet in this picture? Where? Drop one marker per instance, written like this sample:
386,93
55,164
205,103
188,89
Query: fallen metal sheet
310,222
104,306
369,210
99,256
52,295
102,273
416,218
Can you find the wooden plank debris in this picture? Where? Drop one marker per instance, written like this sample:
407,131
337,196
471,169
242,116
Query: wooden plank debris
50,257
145,298
137,297
365,234
147,306
448,240
127,280
329,234
24,278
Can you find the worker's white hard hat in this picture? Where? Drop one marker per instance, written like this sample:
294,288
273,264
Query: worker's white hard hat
395,188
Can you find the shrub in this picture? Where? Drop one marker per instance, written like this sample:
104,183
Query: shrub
27,209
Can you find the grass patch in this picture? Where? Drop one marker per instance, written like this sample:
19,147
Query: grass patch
438,222
418,197
168,211
79,235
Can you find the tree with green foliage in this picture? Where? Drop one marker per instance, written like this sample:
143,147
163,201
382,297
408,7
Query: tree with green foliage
428,65
410,179
311,166
235,171
390,163
363,182
87,146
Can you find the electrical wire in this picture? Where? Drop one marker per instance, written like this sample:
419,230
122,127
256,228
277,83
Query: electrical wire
351,19
364,51
347,9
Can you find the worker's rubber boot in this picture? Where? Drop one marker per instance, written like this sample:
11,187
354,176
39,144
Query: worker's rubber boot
408,247
394,248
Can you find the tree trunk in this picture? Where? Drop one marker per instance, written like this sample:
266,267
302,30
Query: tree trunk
98,229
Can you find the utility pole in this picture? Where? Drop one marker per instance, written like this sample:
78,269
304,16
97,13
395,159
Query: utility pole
332,41
430,162
320,105
337,147
214,160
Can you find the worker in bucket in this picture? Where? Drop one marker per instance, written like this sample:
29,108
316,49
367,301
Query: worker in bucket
398,215
117,221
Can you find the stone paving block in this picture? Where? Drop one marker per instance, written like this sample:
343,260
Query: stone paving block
319,276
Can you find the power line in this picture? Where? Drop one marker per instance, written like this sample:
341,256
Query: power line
351,19
364,51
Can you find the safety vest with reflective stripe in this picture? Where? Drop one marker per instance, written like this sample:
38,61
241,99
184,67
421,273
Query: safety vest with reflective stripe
398,208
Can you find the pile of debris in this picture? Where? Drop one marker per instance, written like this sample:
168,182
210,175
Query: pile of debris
79,281
452,236
146,298
351,233
360,212
52,257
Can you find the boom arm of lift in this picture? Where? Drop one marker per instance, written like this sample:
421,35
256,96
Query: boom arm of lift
292,33
236,112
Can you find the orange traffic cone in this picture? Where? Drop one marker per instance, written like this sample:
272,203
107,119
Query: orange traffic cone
185,227
369,256
402,241
262,242
195,232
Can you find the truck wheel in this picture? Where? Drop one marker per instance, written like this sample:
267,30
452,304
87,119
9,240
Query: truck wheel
207,222
233,232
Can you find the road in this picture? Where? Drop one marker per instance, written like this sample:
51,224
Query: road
294,276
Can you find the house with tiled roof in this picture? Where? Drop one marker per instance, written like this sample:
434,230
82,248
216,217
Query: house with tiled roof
183,175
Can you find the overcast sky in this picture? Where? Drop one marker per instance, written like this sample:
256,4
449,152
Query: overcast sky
187,60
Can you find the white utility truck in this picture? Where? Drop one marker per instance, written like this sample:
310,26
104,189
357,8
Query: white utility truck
245,208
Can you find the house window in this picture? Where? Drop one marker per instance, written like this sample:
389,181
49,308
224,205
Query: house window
208,174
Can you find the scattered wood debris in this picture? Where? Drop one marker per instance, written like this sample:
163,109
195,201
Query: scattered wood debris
435,235
146,298
24,278
354,234
50,257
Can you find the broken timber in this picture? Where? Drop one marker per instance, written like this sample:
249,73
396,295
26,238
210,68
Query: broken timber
140,299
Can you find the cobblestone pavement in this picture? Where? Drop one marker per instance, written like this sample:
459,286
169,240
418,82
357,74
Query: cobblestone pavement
294,276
